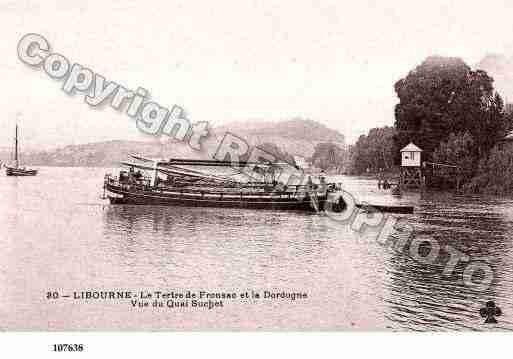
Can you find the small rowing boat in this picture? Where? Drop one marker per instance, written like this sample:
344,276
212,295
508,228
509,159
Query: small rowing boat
385,208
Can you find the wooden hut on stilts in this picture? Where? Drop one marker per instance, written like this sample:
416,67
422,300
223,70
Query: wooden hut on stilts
411,169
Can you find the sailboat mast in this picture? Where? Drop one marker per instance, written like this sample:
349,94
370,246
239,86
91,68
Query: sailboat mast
16,147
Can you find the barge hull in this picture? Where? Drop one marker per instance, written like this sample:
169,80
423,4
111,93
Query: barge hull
119,196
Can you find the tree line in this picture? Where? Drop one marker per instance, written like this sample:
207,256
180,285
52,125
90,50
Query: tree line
453,113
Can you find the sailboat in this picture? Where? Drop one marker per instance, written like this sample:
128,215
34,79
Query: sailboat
17,170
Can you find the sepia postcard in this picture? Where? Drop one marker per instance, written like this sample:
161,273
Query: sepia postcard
342,166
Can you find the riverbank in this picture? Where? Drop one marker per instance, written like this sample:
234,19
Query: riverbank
389,175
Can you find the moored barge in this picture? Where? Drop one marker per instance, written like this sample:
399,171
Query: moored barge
170,183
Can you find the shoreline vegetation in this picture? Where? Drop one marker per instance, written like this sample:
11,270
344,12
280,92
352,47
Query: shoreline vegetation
454,114
449,110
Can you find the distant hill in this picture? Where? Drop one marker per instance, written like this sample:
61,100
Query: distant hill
292,137
297,129
98,154
296,137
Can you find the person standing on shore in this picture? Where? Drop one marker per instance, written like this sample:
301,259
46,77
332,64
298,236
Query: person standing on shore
380,178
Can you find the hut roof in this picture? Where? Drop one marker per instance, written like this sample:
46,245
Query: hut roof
411,148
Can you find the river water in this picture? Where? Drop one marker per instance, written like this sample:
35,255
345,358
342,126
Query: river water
57,235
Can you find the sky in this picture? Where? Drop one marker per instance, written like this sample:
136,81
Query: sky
335,62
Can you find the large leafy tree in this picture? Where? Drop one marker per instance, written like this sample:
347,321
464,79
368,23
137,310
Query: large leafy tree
458,150
494,173
442,96
374,151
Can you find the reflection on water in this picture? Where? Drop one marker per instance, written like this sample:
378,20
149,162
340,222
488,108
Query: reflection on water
200,245
59,235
